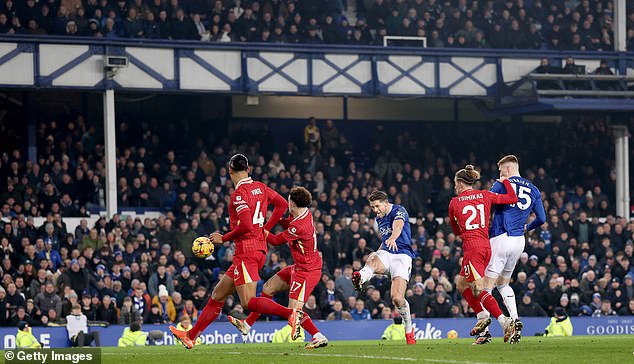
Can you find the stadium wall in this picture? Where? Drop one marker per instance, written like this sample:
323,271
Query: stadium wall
71,63
225,333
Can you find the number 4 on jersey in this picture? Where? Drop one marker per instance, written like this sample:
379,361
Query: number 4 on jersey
258,217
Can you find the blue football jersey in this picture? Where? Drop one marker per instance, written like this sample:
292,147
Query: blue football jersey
404,241
511,218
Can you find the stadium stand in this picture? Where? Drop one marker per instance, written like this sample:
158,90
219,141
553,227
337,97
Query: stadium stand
580,260
556,25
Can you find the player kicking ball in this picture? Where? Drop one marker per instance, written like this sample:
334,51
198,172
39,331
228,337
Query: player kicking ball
393,257
507,239
468,214
249,203
298,279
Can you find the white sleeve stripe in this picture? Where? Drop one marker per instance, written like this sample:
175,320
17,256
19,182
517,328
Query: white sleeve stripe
242,207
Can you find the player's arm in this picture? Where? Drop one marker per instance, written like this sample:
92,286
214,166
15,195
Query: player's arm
497,187
397,228
540,214
279,207
503,198
283,237
245,222
453,220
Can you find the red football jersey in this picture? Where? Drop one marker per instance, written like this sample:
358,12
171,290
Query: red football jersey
469,214
301,237
250,197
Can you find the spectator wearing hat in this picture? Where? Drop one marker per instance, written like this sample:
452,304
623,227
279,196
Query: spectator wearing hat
529,308
166,304
597,301
24,339
560,324
48,299
77,277
615,294
154,317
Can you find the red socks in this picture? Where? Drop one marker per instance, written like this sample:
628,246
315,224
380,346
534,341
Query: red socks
475,305
308,325
489,302
268,307
208,315
254,316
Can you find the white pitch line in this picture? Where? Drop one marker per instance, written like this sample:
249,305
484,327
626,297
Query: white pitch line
352,356
450,361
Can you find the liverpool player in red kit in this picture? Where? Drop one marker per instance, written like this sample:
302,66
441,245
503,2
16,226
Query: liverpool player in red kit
299,279
469,215
248,206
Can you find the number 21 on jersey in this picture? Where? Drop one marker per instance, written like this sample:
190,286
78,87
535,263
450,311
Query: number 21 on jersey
473,212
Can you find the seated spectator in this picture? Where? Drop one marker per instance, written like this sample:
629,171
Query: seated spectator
360,312
338,312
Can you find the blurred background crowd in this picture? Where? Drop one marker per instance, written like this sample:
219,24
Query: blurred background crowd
126,268
521,24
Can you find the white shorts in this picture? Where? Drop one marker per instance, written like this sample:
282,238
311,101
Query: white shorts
397,265
505,252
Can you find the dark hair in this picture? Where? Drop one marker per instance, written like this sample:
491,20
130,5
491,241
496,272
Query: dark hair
135,326
398,320
301,197
239,162
377,195
468,175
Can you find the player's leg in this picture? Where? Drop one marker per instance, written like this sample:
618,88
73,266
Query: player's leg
209,314
400,267
399,286
274,285
477,265
302,285
247,289
374,264
515,249
483,315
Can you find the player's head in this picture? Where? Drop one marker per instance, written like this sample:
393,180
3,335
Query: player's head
379,203
238,164
299,197
509,166
465,178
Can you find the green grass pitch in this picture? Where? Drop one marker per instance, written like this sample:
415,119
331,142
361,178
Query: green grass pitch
574,350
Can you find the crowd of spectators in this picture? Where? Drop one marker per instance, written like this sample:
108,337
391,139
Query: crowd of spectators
536,24
122,269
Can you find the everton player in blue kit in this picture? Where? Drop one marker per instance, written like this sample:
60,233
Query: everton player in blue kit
394,256
507,237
